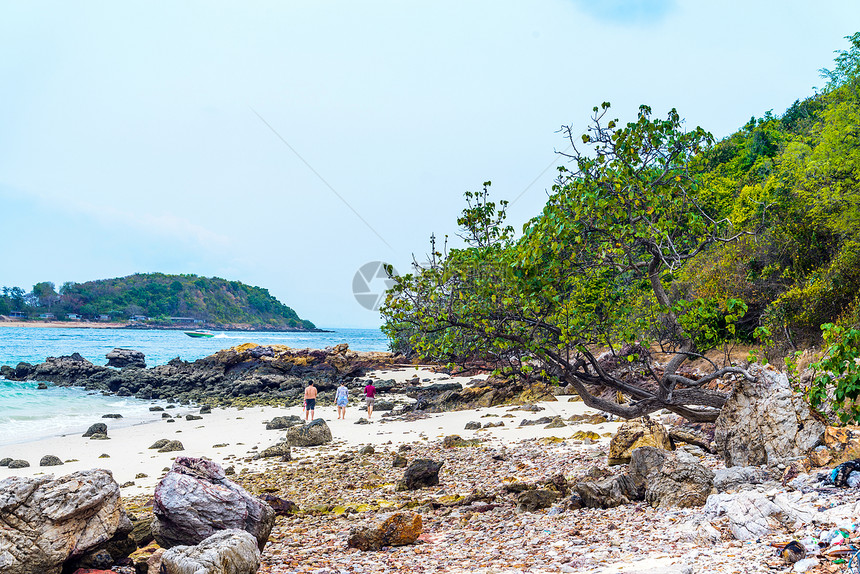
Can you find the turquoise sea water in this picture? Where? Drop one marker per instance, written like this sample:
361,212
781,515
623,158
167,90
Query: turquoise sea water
29,414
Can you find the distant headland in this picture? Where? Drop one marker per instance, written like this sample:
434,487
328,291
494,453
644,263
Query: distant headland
150,301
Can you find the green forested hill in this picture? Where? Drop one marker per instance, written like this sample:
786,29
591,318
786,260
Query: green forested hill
160,297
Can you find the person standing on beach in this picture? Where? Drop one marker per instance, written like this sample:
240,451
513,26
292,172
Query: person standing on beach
310,400
370,395
340,399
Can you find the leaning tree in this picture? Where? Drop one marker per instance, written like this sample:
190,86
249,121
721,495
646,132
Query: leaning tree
585,295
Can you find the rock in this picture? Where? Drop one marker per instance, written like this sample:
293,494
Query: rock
754,515
159,443
50,460
634,434
172,446
396,529
281,506
5,461
156,409
281,449
608,493
532,500
399,461
362,421
472,425
556,423
42,386
19,463
48,521
670,479
455,440
99,436
207,410
681,434
766,422
112,416
314,433
141,531
279,423
820,456
195,499
123,358
421,473
739,478
367,449
147,559
97,428
231,551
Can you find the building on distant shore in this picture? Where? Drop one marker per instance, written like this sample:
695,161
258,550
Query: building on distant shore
17,315
73,317
104,317
138,318
46,316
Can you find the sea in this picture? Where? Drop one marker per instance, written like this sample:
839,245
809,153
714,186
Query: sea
28,414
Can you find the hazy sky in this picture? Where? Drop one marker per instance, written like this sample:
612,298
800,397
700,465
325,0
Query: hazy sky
140,136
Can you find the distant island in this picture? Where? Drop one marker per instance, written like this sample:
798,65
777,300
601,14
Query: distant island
154,300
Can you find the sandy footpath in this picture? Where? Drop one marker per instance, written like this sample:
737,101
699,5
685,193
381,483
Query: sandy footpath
232,436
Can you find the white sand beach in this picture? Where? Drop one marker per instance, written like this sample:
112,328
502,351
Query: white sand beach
233,436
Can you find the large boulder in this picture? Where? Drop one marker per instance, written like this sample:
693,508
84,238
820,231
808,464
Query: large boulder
315,433
765,422
48,521
231,551
532,500
195,499
634,434
421,473
753,515
670,479
123,358
396,529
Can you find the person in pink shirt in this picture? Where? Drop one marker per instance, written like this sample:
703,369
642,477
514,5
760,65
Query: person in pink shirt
370,395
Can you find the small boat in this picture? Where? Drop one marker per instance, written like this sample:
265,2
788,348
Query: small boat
199,334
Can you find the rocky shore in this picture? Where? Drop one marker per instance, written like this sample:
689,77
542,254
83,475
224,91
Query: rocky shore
543,486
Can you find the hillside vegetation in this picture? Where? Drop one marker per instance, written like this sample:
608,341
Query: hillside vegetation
657,238
158,298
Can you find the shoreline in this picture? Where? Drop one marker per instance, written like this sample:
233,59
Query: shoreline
234,435
136,326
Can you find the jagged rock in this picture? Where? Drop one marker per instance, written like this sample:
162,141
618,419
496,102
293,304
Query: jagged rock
556,423
739,478
195,499
141,531
50,460
766,422
314,433
172,446
681,434
609,492
48,521
421,473
123,358
670,479
97,428
472,425
455,440
279,423
281,449
634,434
147,559
396,529
231,551
754,515
531,500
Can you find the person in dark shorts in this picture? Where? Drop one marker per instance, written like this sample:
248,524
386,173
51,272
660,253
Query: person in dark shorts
310,400
370,396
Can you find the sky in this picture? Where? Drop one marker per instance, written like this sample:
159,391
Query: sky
287,144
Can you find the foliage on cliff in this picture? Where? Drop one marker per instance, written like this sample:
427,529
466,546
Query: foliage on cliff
159,297
656,236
